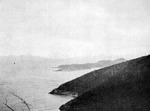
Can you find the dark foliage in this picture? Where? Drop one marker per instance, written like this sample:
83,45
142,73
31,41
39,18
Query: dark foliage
122,87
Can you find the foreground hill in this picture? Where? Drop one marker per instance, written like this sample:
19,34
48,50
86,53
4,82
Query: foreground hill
99,64
86,82
122,87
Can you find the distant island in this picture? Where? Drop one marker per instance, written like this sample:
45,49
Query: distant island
99,64
121,87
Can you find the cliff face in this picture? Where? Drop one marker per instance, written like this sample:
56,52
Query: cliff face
122,87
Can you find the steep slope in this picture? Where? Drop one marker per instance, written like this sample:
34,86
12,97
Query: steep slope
86,82
99,64
127,88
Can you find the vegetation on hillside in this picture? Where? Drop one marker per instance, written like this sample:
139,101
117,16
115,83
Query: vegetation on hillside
121,87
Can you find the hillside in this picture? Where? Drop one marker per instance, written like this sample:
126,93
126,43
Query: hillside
99,64
85,82
121,87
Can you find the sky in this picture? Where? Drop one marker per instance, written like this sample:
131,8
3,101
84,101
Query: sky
75,28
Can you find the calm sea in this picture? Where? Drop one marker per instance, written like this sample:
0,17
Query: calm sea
33,86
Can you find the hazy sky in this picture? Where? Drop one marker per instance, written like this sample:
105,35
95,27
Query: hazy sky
72,28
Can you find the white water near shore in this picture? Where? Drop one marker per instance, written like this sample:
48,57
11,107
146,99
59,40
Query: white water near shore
33,86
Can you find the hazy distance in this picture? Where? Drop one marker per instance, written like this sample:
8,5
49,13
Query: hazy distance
75,28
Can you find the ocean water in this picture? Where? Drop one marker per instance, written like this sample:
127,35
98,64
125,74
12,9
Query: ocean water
33,86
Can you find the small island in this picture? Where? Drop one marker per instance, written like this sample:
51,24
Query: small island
99,64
